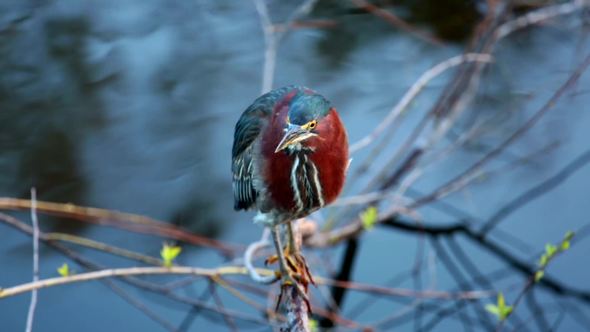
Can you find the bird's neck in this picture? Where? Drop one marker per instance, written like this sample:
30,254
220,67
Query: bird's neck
299,148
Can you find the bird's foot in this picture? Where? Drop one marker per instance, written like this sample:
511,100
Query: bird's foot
296,267
296,274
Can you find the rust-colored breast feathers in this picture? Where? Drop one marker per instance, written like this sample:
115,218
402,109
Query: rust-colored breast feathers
329,156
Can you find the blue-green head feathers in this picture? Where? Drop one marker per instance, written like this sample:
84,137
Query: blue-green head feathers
307,106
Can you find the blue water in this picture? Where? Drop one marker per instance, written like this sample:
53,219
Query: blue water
131,106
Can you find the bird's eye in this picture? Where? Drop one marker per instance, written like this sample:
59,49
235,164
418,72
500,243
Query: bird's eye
312,124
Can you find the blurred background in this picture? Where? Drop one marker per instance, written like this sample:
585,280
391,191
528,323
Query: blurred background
130,105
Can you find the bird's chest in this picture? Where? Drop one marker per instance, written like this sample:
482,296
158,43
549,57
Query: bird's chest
293,182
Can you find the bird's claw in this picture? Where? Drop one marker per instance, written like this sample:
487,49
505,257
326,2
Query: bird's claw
296,268
296,274
271,260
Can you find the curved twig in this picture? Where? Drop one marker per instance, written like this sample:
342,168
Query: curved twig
249,257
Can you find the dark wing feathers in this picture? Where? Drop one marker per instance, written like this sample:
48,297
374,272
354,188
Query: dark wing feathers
247,131
244,192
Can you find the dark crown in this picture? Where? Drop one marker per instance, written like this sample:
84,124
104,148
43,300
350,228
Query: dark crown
306,107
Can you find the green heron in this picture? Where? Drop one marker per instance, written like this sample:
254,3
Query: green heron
289,159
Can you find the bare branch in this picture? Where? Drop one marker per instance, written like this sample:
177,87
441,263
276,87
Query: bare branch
540,15
273,37
397,22
140,306
296,310
219,303
122,272
127,221
101,246
270,51
162,290
464,178
35,222
226,270
413,92
537,191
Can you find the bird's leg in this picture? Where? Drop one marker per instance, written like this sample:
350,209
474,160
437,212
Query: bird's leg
276,236
297,258
292,248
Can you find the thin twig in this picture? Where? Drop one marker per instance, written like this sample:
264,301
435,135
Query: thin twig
121,272
409,293
466,176
413,92
270,50
252,249
540,15
230,270
397,22
448,111
537,191
221,282
530,283
161,290
346,269
219,303
35,222
103,247
127,221
140,305
273,37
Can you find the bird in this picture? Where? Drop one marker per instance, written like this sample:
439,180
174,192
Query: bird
289,159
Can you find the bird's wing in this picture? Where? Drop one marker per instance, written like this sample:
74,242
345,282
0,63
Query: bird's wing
247,131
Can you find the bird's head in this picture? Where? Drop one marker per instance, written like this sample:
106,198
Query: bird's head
304,120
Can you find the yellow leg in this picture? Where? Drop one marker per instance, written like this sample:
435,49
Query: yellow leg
276,239
292,248
285,271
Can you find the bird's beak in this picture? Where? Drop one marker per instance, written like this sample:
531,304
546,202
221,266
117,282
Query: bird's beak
293,135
